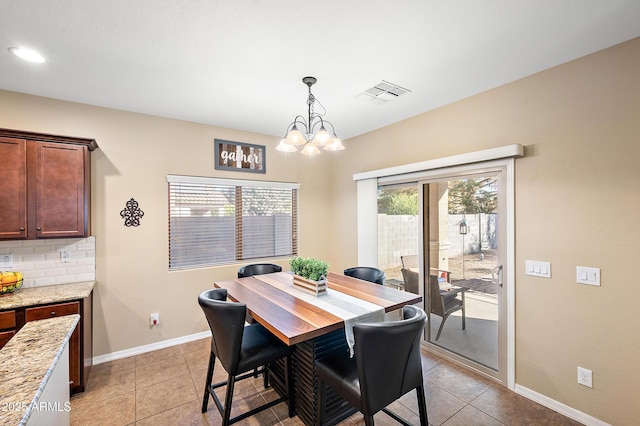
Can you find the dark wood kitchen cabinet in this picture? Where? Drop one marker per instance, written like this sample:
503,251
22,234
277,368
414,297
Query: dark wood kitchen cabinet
13,188
80,343
58,310
8,325
45,187
38,303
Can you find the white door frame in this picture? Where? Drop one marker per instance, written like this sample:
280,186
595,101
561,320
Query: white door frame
506,309
367,184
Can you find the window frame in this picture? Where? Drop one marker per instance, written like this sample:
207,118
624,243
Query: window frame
236,186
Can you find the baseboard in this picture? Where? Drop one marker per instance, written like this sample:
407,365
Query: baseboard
150,347
558,407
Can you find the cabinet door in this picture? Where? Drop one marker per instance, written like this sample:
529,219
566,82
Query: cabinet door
58,310
7,319
5,336
13,188
8,325
61,190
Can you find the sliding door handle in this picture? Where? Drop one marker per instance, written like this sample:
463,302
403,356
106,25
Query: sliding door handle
496,274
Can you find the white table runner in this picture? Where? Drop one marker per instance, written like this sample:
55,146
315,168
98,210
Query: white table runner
351,309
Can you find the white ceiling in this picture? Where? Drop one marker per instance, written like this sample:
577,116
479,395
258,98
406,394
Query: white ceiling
239,63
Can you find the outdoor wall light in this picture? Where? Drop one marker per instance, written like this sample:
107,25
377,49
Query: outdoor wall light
463,227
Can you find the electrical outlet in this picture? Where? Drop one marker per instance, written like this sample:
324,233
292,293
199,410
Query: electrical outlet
64,256
154,319
585,377
6,261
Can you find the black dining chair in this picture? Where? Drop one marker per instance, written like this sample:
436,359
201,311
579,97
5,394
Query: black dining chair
367,273
258,269
386,365
240,349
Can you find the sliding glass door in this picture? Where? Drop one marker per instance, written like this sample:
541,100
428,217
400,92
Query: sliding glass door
443,236
463,261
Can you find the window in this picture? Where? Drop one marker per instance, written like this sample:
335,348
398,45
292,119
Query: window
220,221
397,229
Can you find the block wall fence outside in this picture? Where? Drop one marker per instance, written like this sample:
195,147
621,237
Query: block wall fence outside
217,241
481,234
398,236
39,260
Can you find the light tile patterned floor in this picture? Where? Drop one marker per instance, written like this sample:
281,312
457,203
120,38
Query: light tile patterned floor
165,387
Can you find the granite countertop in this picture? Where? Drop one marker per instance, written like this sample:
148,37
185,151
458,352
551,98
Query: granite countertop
26,363
46,294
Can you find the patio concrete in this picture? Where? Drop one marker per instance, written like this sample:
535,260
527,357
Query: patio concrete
479,340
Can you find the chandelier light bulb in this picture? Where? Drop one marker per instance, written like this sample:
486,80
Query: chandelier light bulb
322,137
310,150
295,137
334,145
285,147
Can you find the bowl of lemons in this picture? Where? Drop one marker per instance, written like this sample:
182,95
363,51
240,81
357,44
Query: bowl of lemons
10,282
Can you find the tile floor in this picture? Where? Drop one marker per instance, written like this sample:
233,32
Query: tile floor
165,387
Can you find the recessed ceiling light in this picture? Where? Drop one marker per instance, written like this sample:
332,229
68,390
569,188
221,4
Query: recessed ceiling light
27,54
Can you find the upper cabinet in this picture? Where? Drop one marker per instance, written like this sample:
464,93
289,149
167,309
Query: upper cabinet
45,185
13,188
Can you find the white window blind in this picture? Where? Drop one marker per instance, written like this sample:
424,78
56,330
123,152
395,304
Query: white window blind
220,221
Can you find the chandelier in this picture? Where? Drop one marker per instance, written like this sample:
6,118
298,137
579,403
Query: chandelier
313,133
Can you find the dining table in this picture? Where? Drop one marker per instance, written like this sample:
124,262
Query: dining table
315,326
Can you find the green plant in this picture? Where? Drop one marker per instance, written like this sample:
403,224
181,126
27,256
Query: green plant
398,201
306,267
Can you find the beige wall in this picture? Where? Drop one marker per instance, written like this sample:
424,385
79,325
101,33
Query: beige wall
135,154
577,203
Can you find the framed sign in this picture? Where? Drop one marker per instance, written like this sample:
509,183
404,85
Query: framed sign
240,157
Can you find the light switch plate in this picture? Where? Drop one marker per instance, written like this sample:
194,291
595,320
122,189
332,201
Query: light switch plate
585,275
538,269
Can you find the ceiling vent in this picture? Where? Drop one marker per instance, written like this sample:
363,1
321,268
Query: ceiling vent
383,92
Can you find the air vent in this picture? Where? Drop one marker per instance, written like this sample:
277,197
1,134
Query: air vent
383,92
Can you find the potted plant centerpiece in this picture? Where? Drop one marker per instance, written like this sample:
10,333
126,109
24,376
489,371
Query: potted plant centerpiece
310,274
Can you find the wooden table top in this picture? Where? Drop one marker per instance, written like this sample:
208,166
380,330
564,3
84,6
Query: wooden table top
294,320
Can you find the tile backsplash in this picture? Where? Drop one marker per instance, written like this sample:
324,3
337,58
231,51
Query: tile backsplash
41,263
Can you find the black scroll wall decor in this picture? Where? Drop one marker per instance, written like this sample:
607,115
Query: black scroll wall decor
132,213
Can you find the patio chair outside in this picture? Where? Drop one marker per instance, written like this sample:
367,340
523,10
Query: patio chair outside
443,306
